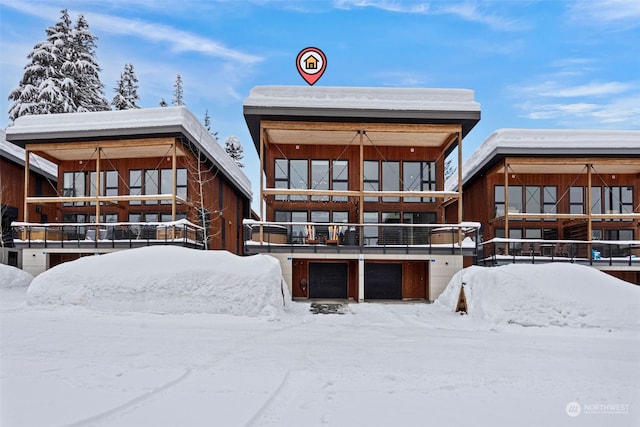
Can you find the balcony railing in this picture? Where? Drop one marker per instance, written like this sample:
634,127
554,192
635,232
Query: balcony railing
121,234
276,236
596,252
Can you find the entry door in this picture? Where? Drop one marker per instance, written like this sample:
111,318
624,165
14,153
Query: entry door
328,280
382,281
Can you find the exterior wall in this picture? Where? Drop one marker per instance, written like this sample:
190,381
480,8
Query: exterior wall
479,201
12,182
224,205
352,154
423,278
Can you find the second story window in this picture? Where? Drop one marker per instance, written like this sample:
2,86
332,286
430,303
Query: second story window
419,176
74,185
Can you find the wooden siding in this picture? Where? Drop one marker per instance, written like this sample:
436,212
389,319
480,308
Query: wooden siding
226,205
12,187
352,155
479,199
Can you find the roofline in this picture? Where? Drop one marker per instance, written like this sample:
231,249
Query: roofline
255,114
21,135
497,151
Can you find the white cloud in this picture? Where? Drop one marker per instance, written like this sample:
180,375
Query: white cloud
619,113
177,40
468,11
624,13
556,89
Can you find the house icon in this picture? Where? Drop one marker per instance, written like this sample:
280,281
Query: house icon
311,63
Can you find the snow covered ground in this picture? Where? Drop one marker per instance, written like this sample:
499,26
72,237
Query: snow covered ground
98,342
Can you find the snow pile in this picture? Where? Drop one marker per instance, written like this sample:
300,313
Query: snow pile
11,277
165,279
564,295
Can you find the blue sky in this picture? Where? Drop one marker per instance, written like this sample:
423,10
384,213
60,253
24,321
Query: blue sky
532,64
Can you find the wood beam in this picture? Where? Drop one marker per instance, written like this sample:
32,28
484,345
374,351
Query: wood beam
368,127
27,168
120,143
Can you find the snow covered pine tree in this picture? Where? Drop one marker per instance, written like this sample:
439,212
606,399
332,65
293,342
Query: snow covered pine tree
62,76
234,149
126,90
177,92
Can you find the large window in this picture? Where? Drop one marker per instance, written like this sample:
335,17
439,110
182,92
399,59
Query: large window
528,199
316,174
291,174
340,178
74,185
576,200
320,178
108,184
618,200
607,200
371,179
391,179
419,176
154,182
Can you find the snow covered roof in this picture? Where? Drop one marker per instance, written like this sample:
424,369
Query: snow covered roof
36,163
159,121
367,104
549,143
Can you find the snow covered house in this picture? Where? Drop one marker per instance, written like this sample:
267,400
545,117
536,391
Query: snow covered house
352,195
125,179
43,176
557,195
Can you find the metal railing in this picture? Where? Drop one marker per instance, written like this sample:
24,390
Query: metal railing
121,234
429,237
595,252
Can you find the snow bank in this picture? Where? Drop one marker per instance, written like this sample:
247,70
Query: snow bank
11,277
565,295
165,279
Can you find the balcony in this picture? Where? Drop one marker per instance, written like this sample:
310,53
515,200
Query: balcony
598,253
307,237
107,235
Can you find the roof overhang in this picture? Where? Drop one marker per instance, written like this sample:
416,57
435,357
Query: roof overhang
368,109
553,151
75,136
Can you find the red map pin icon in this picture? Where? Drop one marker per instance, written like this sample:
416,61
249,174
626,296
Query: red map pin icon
311,63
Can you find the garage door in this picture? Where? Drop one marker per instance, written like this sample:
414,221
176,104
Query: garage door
382,281
328,280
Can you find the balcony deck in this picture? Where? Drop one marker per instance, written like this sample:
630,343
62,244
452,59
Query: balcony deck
602,254
342,238
107,235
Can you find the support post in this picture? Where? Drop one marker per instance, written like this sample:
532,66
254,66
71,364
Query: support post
506,205
261,168
98,190
174,179
460,210
26,185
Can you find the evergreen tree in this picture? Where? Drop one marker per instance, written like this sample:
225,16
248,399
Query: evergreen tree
62,76
85,70
207,121
178,92
234,149
449,170
127,90
41,89
163,103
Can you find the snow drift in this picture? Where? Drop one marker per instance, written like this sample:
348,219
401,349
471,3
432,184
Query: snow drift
565,295
165,279
11,277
